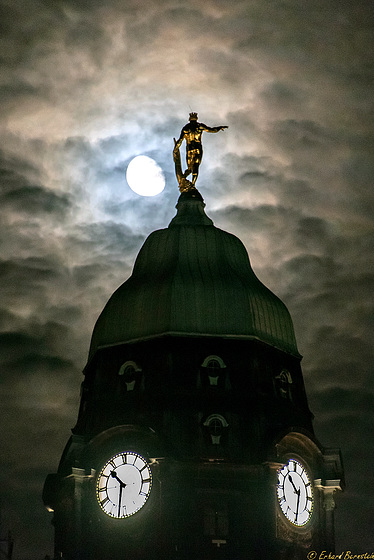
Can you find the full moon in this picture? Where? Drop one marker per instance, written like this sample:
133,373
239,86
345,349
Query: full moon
144,176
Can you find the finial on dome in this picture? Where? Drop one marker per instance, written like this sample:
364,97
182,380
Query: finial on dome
190,210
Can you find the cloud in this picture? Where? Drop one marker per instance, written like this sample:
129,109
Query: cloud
33,199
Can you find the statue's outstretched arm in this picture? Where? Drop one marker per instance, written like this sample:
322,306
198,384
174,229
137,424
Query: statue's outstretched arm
213,128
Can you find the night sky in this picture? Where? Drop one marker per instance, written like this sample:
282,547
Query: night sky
85,86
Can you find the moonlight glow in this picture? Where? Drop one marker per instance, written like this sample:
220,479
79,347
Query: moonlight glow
145,176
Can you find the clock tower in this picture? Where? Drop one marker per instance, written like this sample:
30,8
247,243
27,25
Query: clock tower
194,438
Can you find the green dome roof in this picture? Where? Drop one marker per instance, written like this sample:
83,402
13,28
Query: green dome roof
193,279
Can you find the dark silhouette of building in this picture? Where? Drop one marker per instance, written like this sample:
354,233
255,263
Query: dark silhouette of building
194,439
6,546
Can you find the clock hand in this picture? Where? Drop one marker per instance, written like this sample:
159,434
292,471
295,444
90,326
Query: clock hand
297,505
114,475
120,500
122,485
294,487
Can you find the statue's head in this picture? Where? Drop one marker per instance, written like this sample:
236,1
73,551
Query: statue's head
193,116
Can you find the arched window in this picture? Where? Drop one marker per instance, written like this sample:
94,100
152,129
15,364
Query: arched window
213,371
131,375
215,424
283,382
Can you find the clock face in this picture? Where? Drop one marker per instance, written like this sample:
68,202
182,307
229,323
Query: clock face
124,484
295,493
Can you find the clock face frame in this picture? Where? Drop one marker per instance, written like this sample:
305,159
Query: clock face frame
124,484
295,493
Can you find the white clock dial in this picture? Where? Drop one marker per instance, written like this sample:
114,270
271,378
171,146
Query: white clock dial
295,493
124,484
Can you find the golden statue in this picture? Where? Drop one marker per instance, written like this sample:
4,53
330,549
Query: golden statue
192,133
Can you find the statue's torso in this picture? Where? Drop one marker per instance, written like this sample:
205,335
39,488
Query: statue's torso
192,133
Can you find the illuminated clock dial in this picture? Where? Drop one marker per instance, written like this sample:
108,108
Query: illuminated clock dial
124,484
295,493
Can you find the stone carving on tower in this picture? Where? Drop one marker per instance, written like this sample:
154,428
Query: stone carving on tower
194,438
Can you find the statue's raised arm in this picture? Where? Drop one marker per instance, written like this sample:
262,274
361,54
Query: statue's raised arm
191,133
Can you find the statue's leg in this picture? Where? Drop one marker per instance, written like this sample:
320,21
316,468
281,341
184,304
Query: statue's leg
193,158
195,172
196,164
189,161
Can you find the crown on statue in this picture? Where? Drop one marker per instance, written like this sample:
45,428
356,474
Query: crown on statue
193,116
